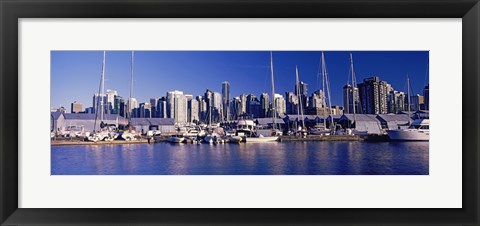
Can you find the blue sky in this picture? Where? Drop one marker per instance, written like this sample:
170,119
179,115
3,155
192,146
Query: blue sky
75,75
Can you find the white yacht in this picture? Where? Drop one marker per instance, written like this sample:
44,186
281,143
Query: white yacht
418,131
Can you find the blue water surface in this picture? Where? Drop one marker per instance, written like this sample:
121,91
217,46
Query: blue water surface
282,158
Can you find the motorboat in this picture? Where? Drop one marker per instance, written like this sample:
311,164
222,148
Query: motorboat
176,139
418,131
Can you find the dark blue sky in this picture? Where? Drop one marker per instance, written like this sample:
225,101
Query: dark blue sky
76,74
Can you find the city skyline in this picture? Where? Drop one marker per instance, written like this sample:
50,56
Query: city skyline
247,75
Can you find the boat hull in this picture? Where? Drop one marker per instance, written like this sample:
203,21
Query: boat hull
261,139
409,135
176,139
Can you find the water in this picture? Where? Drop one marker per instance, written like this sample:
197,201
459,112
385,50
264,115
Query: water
283,158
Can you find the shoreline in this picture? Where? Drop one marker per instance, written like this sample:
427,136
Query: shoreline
161,139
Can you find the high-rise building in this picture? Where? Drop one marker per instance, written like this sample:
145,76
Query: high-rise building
226,100
302,92
145,110
395,102
249,100
98,101
153,104
264,105
117,100
202,109
132,108
217,107
76,107
192,106
291,103
243,105
417,102
162,107
350,99
234,106
122,107
426,96
110,100
177,106
373,96
317,104
280,106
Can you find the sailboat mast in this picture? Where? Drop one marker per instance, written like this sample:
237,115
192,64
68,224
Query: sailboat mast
354,86
273,91
300,98
328,89
131,89
408,98
323,89
102,84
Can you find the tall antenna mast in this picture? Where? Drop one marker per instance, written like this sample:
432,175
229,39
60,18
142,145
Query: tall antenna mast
273,91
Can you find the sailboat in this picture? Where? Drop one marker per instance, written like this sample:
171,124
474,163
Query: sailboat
301,130
322,129
107,132
129,134
419,130
274,132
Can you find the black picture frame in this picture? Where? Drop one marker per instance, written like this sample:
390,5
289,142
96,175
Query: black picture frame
12,10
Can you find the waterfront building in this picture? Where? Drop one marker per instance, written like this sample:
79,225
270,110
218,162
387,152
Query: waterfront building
317,104
202,109
177,106
264,105
88,121
393,122
97,102
279,105
153,105
89,110
395,102
251,98
243,105
291,103
145,110
122,107
426,97
132,107
164,125
417,102
117,101
162,107
303,92
373,96
217,107
368,123
337,110
57,122
226,100
193,113
234,104
351,99
110,100
76,107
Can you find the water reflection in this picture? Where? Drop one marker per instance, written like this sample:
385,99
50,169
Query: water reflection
286,158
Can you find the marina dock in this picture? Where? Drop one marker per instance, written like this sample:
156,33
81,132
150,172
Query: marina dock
322,138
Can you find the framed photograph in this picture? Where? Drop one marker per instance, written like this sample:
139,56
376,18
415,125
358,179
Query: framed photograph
239,112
